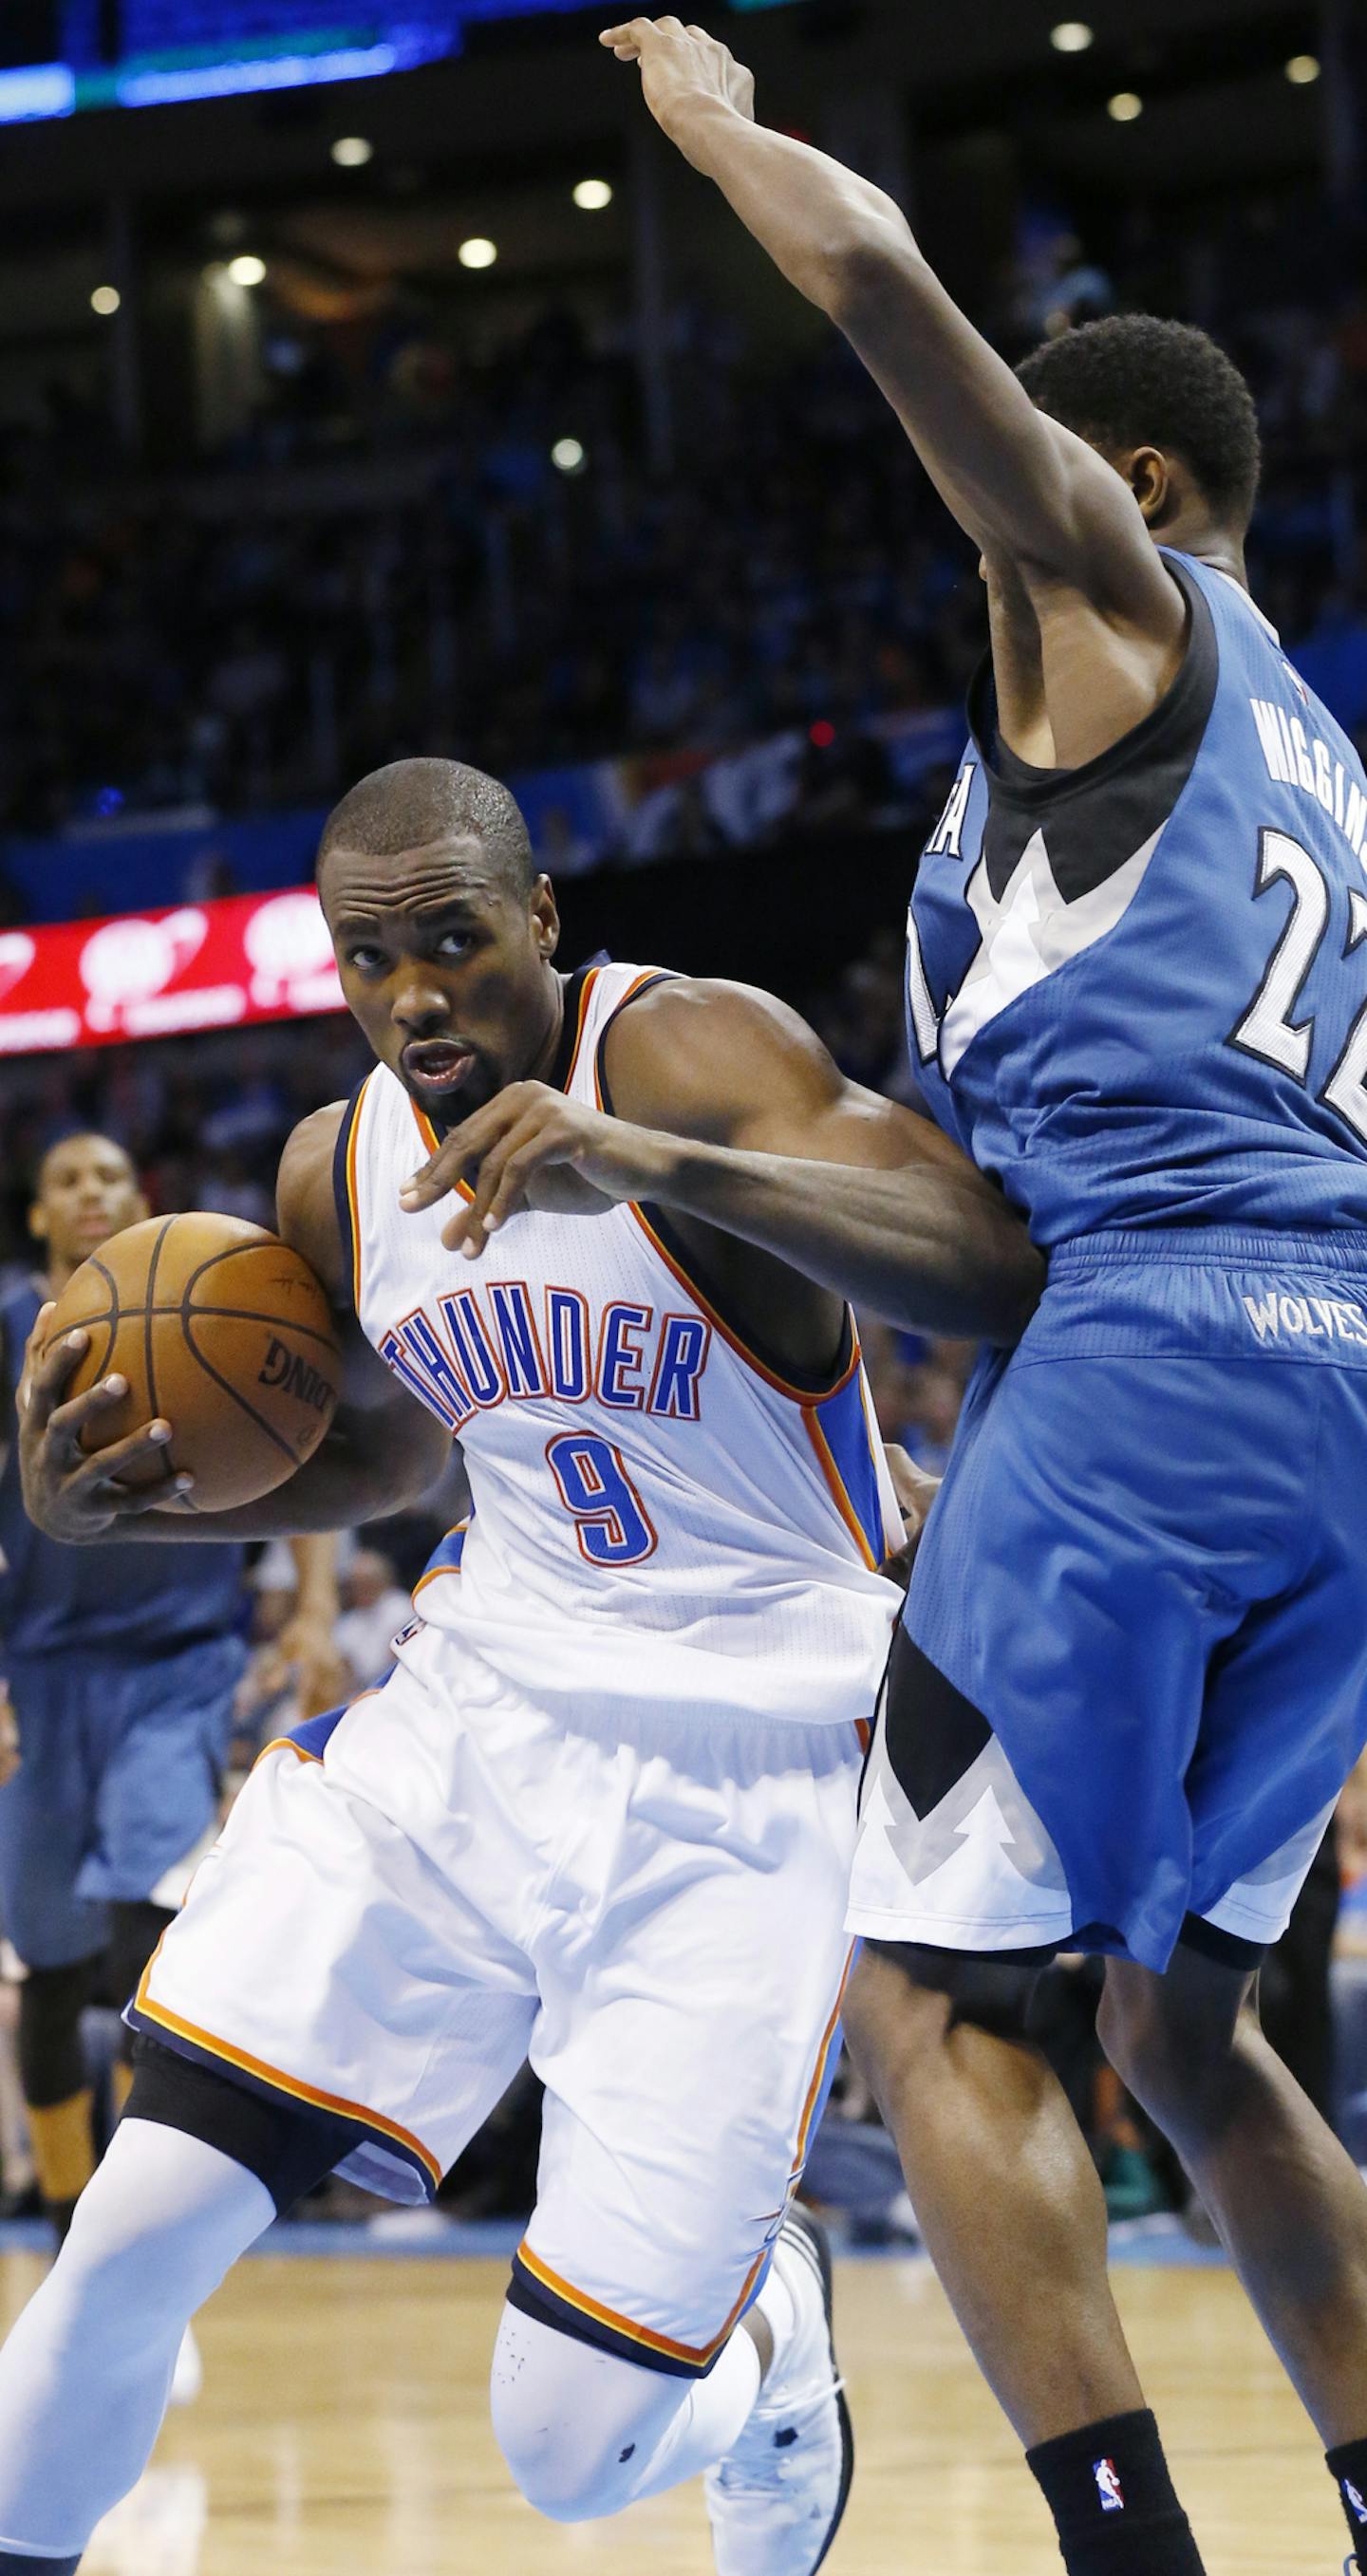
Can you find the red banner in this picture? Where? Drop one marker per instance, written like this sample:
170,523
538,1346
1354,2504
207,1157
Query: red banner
161,974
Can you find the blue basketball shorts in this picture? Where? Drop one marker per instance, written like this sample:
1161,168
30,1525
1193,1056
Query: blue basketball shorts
1132,1675
118,1786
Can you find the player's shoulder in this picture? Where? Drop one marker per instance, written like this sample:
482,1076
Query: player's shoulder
306,1203
701,1040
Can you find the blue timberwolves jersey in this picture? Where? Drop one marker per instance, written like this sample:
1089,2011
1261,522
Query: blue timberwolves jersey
127,1598
1137,991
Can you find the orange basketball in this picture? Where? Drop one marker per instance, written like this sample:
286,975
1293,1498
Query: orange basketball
222,1331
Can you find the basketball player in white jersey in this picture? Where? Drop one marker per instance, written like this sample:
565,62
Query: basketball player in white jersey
603,1812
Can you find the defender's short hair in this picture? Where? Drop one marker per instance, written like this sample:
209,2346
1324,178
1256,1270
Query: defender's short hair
1133,380
412,802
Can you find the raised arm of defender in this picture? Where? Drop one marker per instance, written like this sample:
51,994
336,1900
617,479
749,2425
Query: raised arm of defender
1020,484
732,1113
381,1451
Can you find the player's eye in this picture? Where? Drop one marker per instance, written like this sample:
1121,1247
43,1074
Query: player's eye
454,943
367,961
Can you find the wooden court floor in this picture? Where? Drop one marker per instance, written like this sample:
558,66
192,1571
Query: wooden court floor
343,2432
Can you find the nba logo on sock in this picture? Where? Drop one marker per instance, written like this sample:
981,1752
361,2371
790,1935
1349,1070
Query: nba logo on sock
1108,2486
1355,2500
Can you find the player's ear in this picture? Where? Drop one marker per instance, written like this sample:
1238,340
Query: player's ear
141,1208
37,1221
1149,476
545,917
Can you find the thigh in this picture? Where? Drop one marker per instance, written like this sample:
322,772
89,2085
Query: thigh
167,1727
323,1956
687,2049
1097,1538
47,1823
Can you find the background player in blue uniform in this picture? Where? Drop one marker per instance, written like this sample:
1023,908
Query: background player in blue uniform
120,1665
1133,1674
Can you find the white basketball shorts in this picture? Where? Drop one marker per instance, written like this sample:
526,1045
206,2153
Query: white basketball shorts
449,1879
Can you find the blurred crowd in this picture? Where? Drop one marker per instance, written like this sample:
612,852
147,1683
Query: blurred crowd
390,560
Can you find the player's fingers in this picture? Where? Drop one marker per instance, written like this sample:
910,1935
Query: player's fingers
471,1225
46,1372
442,1172
67,1421
145,1447
129,1502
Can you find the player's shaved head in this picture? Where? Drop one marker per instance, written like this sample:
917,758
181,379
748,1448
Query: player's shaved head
413,803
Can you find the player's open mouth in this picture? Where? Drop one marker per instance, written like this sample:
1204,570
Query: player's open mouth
436,1063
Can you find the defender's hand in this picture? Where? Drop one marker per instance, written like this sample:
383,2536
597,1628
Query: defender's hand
533,1148
68,1494
682,68
915,1492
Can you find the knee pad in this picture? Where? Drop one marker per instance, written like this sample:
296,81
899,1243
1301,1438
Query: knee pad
570,2420
993,1994
51,2064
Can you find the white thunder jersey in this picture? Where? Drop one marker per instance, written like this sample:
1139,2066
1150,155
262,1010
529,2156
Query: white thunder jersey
660,1514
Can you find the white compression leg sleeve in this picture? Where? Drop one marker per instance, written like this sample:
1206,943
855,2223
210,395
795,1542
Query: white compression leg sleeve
585,2433
85,2374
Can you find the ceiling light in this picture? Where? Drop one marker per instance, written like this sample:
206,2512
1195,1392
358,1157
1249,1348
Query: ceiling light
1302,69
591,195
568,456
1125,106
477,252
106,299
247,269
1071,36
352,151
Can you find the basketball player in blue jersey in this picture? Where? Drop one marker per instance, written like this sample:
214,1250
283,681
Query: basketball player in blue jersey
1132,1676
120,1671
603,1812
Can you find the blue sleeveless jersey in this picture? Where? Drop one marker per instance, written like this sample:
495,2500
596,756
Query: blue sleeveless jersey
1137,991
125,1598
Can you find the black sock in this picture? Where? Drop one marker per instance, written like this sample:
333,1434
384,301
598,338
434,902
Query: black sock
11,2566
1347,2467
1113,2501
59,2214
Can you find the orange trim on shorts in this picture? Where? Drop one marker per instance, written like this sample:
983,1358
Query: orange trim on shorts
836,1482
819,2070
272,2075
803,1395
697,2355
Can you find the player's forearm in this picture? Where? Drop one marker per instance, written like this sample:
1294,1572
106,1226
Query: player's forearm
315,1566
1011,476
932,1251
364,1470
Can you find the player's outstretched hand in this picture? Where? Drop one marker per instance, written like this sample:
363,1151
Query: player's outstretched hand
682,68
533,1148
70,1493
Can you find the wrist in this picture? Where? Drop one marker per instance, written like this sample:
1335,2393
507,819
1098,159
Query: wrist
701,125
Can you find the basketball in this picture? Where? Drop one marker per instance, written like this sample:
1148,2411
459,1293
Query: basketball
222,1331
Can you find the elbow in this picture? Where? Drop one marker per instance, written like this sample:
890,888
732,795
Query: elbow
866,268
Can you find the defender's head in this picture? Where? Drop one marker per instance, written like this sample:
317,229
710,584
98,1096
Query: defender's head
442,930
85,1191
1166,407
